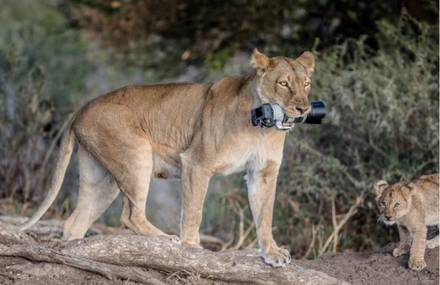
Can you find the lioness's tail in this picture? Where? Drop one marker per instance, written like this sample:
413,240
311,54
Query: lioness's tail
64,155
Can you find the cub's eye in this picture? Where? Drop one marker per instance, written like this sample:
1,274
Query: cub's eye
307,83
283,83
383,204
397,205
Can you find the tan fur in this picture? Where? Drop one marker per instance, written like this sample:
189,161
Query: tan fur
187,131
412,207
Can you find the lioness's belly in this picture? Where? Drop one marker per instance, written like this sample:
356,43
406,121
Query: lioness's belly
236,160
165,170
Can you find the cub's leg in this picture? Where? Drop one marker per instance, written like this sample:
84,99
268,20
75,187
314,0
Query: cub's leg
261,191
97,190
404,243
417,251
194,186
433,243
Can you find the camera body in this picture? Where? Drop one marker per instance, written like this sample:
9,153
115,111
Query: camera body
272,115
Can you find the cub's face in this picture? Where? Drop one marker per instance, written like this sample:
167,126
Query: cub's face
285,81
393,201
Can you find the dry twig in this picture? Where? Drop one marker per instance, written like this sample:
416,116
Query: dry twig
351,212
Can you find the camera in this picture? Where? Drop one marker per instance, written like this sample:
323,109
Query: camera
272,115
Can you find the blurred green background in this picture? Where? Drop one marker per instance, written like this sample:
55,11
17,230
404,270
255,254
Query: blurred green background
377,70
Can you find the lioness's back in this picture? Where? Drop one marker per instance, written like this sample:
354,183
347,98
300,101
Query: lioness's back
166,112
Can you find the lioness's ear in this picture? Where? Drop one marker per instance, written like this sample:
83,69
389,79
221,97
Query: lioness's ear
307,59
259,61
380,186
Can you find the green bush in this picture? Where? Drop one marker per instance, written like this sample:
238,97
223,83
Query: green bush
382,124
42,70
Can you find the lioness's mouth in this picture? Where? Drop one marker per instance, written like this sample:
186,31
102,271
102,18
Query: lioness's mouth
293,111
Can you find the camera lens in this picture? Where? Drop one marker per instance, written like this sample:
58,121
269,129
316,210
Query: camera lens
317,113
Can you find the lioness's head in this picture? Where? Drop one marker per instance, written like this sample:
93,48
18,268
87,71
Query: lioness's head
284,81
394,201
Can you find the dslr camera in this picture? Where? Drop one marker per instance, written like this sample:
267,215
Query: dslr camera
272,115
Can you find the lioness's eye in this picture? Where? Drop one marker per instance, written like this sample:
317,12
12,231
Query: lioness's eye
397,205
306,83
282,83
383,204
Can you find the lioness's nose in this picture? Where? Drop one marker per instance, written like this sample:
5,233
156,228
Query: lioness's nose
302,110
388,217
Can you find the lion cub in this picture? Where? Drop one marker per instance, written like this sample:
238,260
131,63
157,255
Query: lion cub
412,206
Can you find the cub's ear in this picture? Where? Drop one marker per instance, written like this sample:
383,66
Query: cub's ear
307,59
411,186
379,187
259,60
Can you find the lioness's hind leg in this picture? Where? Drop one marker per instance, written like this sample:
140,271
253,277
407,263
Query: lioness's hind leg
123,148
134,184
138,224
135,191
97,191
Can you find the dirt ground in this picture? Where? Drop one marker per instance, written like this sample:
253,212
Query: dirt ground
376,268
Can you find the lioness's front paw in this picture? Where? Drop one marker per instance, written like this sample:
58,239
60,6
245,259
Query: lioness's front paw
416,264
399,251
276,257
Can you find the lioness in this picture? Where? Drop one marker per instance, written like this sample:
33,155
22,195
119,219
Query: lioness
187,131
412,207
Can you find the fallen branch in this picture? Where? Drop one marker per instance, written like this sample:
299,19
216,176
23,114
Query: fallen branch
112,272
144,259
49,229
